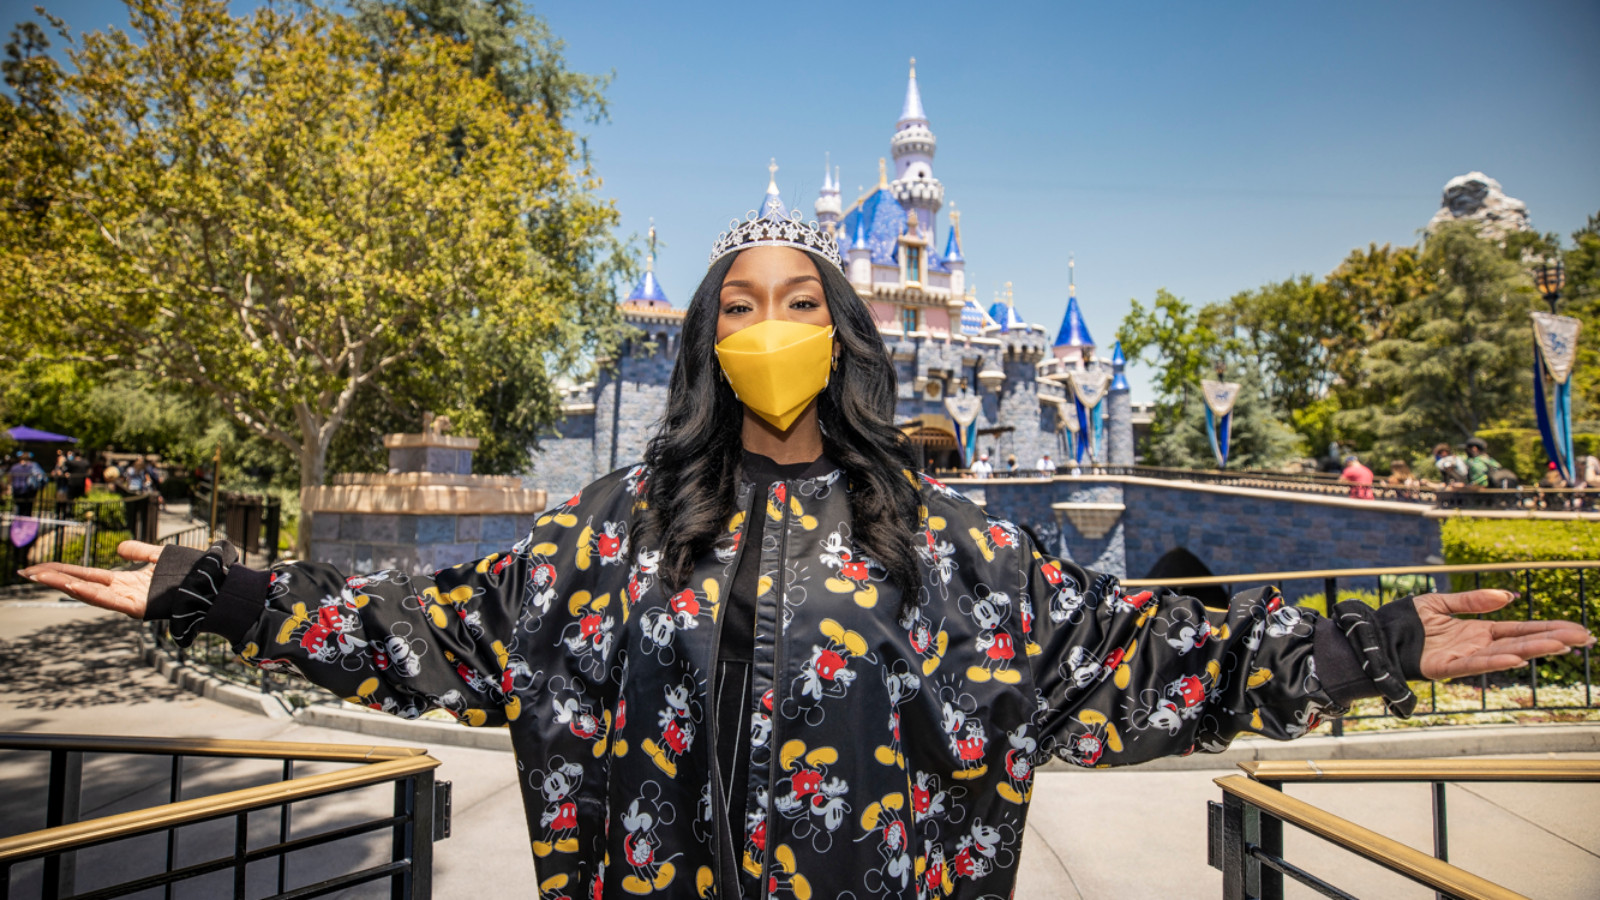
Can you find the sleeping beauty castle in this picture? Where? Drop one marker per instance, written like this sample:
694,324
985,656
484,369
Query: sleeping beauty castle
972,380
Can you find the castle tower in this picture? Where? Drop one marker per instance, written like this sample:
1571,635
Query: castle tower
828,206
913,147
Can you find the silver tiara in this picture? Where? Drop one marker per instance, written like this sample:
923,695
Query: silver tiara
776,231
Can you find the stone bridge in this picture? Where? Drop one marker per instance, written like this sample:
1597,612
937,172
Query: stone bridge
1123,524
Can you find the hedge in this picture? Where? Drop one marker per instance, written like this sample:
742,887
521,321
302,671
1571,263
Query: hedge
1469,541
1521,450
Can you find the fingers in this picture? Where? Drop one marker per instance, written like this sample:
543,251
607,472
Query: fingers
1478,664
80,573
138,551
1481,601
1570,633
1527,647
89,592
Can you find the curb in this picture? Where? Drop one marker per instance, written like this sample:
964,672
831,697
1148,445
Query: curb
420,730
200,684
1454,740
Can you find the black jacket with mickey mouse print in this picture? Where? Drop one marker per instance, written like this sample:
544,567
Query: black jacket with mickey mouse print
891,756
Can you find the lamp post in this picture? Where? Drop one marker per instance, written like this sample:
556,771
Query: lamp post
1550,279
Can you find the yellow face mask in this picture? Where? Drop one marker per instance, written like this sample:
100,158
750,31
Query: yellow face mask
776,367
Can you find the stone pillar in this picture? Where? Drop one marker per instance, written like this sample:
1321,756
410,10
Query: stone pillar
428,512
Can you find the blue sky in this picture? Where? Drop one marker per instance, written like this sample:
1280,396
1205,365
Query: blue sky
1204,148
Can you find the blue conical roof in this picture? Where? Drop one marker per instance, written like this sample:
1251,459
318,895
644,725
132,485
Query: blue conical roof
772,203
952,248
911,110
1074,333
1119,381
648,290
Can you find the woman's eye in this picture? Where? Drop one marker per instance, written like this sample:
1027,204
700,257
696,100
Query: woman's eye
735,308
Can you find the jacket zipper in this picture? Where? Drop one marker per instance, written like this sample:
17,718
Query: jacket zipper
777,672
727,856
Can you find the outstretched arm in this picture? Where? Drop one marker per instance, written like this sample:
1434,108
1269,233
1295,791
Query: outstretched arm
397,642
1129,675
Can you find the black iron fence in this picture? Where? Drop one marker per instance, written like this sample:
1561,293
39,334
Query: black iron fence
1549,590
1245,834
82,532
420,816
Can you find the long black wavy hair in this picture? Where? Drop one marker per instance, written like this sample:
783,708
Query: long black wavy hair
694,458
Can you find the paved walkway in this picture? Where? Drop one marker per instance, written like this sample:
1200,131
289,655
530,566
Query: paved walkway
1091,835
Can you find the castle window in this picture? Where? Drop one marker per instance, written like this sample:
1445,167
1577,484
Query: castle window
913,263
908,319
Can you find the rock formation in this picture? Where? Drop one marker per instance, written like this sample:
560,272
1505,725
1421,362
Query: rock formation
1478,198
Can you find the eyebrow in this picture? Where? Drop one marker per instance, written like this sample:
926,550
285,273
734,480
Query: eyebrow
786,283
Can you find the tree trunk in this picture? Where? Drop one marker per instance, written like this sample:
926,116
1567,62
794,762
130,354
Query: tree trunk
313,462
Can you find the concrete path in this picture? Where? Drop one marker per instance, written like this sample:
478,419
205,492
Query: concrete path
1091,835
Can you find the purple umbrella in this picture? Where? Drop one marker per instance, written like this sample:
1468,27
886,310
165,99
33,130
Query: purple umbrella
24,433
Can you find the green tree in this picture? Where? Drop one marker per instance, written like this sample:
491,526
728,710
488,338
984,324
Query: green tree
1258,439
276,212
1581,299
1458,360
1292,332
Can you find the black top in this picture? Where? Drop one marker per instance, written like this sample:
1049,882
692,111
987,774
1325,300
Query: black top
736,650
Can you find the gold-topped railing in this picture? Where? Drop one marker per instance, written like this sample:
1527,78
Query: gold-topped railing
420,816
1246,828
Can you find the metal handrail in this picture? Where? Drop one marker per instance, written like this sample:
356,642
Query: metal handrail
1365,770
1364,842
79,835
1310,574
212,747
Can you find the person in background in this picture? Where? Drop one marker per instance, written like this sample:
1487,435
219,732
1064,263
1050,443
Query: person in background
981,468
1479,462
1359,477
1452,468
26,480
1045,464
1402,479
1011,464
76,469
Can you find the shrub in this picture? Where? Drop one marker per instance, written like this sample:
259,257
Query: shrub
1554,592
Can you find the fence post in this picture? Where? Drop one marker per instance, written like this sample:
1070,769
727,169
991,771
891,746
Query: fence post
62,800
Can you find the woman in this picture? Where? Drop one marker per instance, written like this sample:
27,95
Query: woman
772,661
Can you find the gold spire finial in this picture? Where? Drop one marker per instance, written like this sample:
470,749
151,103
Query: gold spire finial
650,260
1072,267
913,67
883,172
1008,293
955,221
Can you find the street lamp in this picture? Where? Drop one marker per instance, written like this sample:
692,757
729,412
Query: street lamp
1550,279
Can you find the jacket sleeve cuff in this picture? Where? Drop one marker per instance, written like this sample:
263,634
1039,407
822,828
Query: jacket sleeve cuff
1385,647
173,564
239,604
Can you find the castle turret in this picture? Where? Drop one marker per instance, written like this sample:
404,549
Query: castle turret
953,259
1119,412
772,203
860,256
1073,342
913,145
828,206
647,295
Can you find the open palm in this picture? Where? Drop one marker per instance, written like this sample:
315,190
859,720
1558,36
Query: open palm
1455,647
